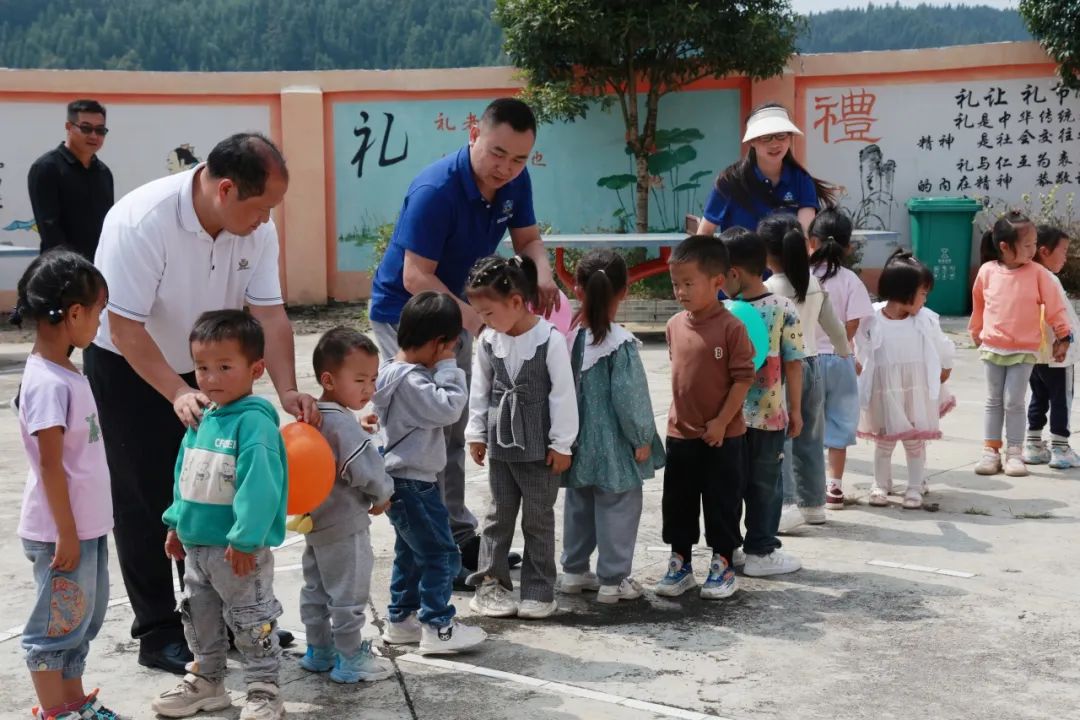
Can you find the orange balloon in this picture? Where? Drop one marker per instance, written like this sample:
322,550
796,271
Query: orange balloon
311,467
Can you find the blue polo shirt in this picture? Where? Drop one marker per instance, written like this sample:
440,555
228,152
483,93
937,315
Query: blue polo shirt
794,191
445,218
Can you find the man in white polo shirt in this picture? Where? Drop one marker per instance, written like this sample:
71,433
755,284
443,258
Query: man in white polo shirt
170,250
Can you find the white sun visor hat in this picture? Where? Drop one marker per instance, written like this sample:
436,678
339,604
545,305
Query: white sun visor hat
769,121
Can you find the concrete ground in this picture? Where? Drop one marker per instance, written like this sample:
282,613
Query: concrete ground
965,609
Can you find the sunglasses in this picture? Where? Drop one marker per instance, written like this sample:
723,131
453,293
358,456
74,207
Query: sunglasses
774,136
87,129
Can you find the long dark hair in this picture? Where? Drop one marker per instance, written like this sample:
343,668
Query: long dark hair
739,182
1005,230
832,229
601,274
784,240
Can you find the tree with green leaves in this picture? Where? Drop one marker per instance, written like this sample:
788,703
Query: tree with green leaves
630,53
1056,25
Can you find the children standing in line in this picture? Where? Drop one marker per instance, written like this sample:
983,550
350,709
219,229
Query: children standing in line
67,506
338,558
905,360
804,462
1052,382
1006,326
418,394
712,367
830,240
523,419
228,511
618,447
773,407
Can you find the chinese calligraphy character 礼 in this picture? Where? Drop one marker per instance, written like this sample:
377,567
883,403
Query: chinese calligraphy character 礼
367,142
855,118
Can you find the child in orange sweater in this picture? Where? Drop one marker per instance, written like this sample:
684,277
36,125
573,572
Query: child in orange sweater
1009,292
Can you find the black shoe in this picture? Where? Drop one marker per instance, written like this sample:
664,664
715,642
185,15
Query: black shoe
514,559
470,553
284,637
459,581
173,658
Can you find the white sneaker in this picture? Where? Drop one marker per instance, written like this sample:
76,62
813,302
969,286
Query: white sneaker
989,463
790,519
406,632
537,609
738,558
1014,464
193,694
679,578
263,703
777,562
1036,453
814,515
628,589
453,638
1063,458
574,583
491,599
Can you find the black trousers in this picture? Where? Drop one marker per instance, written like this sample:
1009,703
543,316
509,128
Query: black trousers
142,438
699,478
1051,389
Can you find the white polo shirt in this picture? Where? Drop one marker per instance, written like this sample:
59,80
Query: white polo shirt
164,270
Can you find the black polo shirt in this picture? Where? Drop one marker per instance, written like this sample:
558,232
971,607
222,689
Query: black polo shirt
69,201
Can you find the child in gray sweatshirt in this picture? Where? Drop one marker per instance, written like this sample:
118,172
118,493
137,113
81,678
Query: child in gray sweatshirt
338,559
420,393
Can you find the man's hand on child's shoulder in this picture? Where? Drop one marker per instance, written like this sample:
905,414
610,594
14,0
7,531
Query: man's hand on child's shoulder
174,549
242,563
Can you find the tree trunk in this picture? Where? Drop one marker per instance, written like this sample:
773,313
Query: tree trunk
643,180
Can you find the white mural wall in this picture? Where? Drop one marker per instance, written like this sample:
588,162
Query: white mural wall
145,141
995,140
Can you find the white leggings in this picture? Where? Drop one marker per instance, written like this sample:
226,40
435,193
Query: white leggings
916,463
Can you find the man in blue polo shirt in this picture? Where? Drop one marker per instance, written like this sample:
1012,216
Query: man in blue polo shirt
456,211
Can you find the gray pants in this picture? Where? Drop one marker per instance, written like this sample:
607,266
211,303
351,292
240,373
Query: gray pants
532,487
451,480
603,521
214,596
337,583
1006,391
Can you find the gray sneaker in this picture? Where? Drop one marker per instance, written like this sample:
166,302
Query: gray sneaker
263,703
1036,453
194,694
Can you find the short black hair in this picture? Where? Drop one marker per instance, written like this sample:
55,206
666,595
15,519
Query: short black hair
1049,236
902,277
336,344
84,105
511,111
428,316
247,159
54,281
705,251
746,250
221,325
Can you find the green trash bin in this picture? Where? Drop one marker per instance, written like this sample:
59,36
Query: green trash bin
941,237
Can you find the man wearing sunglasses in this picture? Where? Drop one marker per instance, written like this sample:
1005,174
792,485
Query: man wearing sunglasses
71,190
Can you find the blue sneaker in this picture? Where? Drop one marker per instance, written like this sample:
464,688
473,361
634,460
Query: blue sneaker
679,578
361,667
721,582
318,659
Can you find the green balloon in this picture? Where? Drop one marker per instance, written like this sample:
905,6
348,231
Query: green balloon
755,328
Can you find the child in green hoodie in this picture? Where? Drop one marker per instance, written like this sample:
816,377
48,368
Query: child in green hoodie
228,510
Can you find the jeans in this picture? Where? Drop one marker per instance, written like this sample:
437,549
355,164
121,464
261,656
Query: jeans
841,404
764,493
1051,389
426,558
452,479
804,457
70,607
1006,388
215,596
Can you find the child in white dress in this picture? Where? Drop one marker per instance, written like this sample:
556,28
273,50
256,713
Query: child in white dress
905,359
